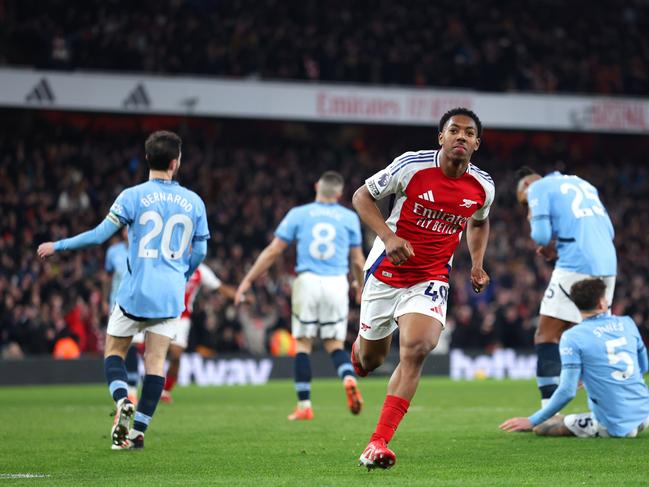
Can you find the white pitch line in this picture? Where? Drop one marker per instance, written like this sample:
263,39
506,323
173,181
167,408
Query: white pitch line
23,476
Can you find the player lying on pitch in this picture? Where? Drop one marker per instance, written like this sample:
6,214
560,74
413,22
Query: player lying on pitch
607,353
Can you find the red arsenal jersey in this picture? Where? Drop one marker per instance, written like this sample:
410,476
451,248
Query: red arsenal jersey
202,276
430,211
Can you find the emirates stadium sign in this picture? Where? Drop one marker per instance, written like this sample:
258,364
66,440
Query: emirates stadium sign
187,96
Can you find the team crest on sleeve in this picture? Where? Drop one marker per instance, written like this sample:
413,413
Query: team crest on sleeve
383,179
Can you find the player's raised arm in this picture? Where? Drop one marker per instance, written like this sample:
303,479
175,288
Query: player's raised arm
265,259
96,236
397,249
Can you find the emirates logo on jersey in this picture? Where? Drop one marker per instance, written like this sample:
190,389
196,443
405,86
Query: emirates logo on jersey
439,221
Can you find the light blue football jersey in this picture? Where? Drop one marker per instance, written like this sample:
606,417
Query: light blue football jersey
116,264
606,350
579,221
163,220
324,233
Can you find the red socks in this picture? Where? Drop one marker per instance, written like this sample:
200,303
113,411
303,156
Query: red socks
392,413
170,383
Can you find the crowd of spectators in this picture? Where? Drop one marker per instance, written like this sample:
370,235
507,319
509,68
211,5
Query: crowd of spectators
493,45
59,176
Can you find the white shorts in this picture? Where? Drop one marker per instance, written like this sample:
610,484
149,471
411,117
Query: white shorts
320,306
382,304
556,301
182,335
585,425
182,332
119,325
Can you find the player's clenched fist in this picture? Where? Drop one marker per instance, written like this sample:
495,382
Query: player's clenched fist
45,250
397,249
479,279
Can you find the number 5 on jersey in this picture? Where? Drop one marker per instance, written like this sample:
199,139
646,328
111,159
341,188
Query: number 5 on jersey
614,358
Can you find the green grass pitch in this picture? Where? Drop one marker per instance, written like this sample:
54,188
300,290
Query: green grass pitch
240,436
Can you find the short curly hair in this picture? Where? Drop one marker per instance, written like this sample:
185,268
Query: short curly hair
460,111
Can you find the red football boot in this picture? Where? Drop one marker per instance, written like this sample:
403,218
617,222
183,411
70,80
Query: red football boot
377,455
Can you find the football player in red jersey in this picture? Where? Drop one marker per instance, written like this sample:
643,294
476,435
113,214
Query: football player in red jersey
437,195
202,277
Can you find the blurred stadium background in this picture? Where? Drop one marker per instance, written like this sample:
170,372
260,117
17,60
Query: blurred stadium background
269,94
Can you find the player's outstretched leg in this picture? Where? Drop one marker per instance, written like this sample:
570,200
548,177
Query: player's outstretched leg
376,453
302,368
151,392
345,370
418,336
154,357
115,372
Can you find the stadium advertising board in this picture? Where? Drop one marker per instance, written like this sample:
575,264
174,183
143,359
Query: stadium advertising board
228,371
100,92
502,364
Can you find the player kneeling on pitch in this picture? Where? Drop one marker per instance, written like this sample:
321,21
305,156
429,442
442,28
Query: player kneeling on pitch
607,353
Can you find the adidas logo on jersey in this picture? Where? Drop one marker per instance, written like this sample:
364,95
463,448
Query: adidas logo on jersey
428,196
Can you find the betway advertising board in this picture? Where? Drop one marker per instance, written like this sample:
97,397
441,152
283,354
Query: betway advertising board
231,371
214,97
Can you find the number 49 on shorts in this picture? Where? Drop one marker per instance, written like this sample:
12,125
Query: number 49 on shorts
437,291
